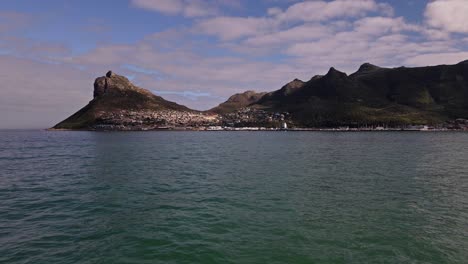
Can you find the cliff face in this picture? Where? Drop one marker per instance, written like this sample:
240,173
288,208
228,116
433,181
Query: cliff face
120,105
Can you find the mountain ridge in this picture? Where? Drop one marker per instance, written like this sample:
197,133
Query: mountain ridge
372,95
396,96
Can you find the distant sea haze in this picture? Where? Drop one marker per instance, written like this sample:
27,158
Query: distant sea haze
252,197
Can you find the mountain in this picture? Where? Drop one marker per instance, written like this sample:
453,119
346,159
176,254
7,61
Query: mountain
241,100
375,95
237,101
120,105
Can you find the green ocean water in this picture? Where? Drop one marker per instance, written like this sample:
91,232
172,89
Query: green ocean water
233,197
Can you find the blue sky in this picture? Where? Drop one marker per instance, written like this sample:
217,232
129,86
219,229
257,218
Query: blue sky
199,52
81,25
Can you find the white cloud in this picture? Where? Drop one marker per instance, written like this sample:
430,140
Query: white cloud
437,58
383,25
449,15
300,33
163,6
37,50
322,11
341,33
188,8
230,28
39,95
13,20
273,11
432,33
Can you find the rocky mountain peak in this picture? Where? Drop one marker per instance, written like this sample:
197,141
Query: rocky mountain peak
334,73
291,86
111,83
367,67
295,83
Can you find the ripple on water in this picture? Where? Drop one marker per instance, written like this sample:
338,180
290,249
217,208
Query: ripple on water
82,197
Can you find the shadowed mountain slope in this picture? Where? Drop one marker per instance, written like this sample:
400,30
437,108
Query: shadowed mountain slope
374,95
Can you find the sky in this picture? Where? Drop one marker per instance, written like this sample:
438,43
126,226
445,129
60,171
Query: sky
199,52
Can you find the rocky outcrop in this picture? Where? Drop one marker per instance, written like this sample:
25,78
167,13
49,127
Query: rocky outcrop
115,85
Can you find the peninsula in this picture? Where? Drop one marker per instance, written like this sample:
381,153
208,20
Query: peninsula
371,98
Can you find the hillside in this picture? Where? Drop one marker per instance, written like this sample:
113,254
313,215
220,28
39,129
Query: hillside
237,101
120,105
374,95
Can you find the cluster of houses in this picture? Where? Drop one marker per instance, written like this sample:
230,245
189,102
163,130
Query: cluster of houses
458,124
244,119
252,117
148,120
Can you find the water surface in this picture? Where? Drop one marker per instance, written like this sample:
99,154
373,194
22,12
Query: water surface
233,197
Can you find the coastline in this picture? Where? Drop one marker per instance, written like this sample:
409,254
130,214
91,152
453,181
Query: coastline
262,129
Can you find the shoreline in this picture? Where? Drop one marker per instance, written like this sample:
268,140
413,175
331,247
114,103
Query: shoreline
258,129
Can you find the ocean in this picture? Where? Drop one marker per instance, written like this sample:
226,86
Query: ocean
233,197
